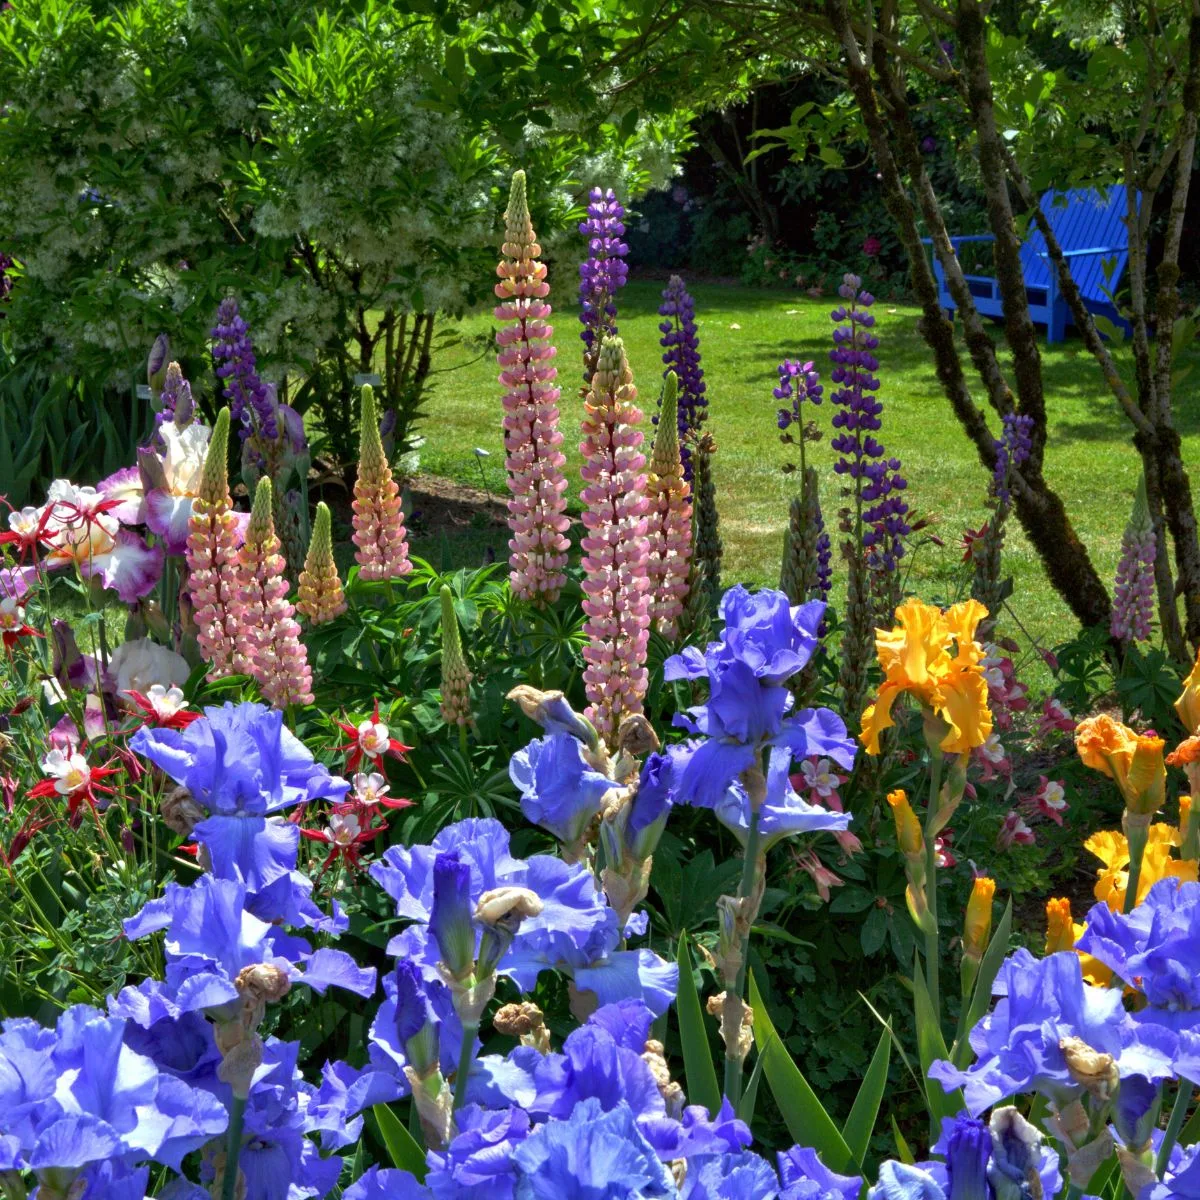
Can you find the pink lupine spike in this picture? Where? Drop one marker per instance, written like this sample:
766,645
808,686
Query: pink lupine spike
669,520
1133,597
616,587
379,536
269,639
212,548
537,508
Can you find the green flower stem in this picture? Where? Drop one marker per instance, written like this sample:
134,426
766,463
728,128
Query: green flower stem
233,1147
932,947
733,1064
462,742
465,1054
1136,839
1178,1112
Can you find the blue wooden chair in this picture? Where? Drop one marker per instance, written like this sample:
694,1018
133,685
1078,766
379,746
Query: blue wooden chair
1090,229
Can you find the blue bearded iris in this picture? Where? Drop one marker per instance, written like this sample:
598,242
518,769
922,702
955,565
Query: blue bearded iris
560,789
1043,1001
76,1097
749,706
242,766
575,933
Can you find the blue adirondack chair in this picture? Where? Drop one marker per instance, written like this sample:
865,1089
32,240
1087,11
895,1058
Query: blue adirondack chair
1090,230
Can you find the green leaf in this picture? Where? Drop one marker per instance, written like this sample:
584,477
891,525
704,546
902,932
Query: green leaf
860,1124
701,1075
874,931
401,1145
989,968
902,1151
931,1045
803,1114
749,1100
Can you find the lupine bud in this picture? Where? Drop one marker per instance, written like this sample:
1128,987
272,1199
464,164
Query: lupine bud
707,548
537,507
320,592
450,916
269,639
379,533
615,585
456,677
669,521
212,558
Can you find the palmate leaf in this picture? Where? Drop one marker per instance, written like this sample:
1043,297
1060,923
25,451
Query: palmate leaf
803,1114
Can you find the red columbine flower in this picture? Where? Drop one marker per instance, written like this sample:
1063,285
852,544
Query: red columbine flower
164,707
36,820
1049,800
345,837
941,849
12,623
970,539
370,739
370,791
70,775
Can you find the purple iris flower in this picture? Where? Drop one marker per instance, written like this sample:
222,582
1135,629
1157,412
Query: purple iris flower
77,1095
650,807
749,706
1043,1001
211,938
560,789
378,1183
478,1164
576,932
1153,950
805,1177
736,1176
1181,1182
593,1153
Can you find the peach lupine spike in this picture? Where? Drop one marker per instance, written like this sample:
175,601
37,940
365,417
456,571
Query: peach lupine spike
532,440
212,550
380,539
616,595
669,519
270,638
320,596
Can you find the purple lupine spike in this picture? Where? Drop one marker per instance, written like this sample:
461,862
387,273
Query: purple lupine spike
807,386
681,346
602,273
1013,448
1133,597
250,400
878,482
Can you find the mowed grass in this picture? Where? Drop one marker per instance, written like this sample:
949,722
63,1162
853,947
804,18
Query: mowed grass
744,333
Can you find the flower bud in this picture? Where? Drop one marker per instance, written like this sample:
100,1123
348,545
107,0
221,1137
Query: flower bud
967,1147
415,1028
450,918
1095,1072
156,362
1016,1155
908,827
554,714
1135,1112
1060,929
977,928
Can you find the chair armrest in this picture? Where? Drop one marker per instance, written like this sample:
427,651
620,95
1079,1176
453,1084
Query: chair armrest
1089,250
974,237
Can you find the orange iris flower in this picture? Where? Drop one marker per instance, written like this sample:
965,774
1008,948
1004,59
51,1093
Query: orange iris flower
916,658
1133,760
1188,704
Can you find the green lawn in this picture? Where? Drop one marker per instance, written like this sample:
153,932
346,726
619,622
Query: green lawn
744,333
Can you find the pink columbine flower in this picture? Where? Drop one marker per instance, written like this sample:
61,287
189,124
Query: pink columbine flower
1006,693
371,788
380,539
269,637
1050,800
212,557
537,506
941,849
821,779
993,758
823,878
1054,718
1014,831
616,587
669,519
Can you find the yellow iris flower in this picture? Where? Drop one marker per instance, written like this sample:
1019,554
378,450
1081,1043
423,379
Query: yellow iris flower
916,658
1188,704
1062,933
1133,760
1112,849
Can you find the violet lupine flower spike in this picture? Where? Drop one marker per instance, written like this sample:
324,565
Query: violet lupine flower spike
212,549
269,639
379,533
537,508
175,401
681,346
320,596
615,549
601,275
233,353
669,521
1133,598
1013,448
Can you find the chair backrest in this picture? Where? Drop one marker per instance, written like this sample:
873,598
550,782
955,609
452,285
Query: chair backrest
1082,219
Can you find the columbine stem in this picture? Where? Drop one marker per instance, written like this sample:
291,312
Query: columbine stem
233,1147
465,1054
734,1063
1174,1125
932,948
